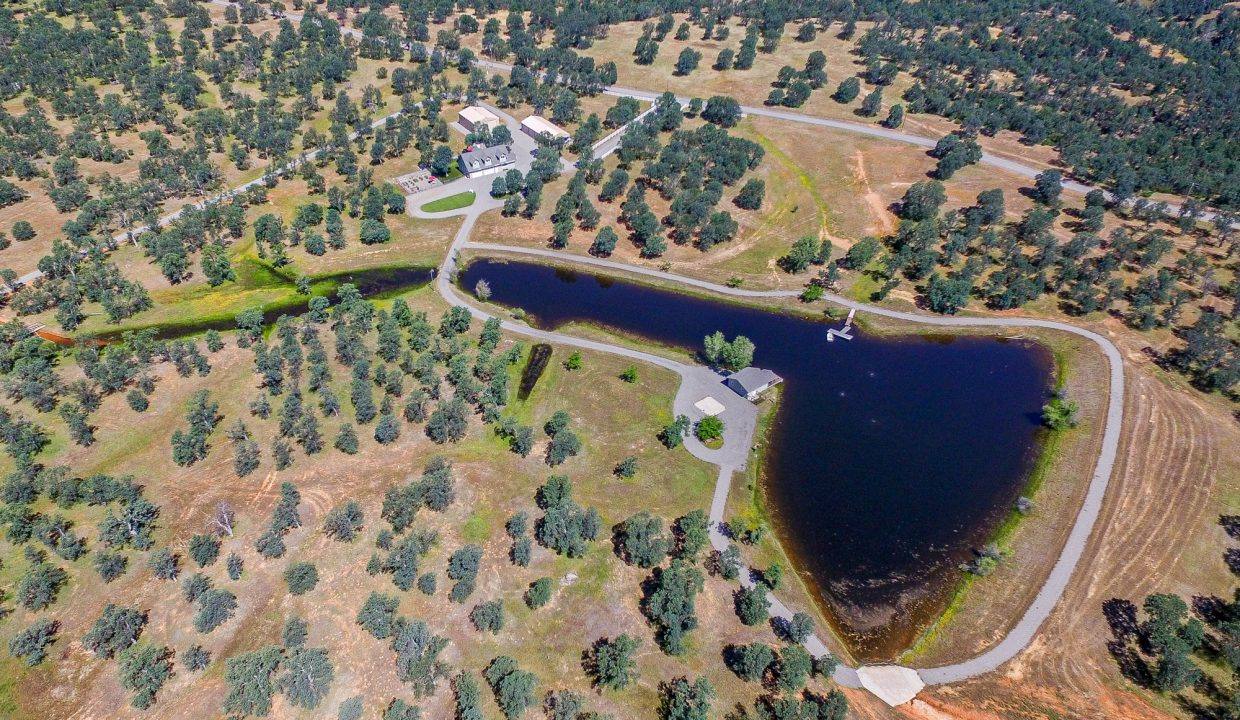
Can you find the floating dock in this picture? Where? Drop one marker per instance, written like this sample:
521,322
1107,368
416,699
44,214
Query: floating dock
844,332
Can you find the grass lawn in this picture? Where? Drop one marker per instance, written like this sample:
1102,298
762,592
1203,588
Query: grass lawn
452,202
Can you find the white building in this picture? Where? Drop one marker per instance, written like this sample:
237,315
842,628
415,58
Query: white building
486,161
537,126
474,117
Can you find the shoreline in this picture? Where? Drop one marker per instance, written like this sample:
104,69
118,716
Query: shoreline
947,602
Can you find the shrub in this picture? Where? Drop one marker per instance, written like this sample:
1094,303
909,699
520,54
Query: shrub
538,593
30,645
301,578
488,616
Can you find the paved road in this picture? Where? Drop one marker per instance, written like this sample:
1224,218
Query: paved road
609,144
697,381
1022,633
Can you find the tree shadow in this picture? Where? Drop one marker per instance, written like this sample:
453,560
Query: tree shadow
1121,616
1211,609
1232,557
1230,524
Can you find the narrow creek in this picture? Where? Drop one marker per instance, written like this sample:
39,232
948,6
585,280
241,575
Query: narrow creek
374,283
891,461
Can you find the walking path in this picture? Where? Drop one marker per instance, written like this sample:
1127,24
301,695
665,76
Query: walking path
891,683
900,683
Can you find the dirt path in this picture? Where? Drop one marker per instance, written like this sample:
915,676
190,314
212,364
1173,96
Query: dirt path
885,221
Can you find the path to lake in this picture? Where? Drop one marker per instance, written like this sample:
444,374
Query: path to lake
893,684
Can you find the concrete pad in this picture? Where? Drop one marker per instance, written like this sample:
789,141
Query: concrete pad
892,684
709,406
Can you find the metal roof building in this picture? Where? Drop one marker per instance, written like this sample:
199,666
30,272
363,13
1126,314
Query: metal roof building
474,116
537,126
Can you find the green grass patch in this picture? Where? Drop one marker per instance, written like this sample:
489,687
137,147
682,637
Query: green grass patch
180,312
477,527
451,202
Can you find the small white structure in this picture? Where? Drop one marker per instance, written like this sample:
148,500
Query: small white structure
486,161
893,684
537,126
709,406
751,382
475,116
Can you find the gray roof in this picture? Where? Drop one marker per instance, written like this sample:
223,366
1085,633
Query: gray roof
752,378
494,156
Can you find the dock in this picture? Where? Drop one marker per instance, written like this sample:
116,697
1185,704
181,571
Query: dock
845,332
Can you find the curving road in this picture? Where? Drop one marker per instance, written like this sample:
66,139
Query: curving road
697,382
878,131
1024,630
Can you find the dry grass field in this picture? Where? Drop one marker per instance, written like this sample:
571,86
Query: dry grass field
595,596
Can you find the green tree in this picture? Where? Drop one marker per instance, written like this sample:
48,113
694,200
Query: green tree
611,664
144,669
539,593
249,681
488,616
872,103
684,700
513,687
752,604
30,645
751,194
378,614
722,110
114,631
215,607
804,252
749,662
671,604
306,677
641,542
847,91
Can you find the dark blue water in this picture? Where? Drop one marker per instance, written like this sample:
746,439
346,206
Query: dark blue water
892,459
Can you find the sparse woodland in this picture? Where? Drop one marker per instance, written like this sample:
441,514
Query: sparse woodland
117,114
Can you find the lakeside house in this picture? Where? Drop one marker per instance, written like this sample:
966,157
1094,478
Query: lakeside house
751,382
486,161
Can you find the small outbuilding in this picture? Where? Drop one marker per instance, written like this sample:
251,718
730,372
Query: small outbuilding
751,382
476,116
486,161
537,126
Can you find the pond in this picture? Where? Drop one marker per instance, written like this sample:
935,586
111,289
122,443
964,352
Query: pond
891,460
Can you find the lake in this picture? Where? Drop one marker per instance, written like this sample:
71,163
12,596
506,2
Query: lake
891,461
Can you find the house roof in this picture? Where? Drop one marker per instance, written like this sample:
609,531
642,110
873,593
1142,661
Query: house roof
489,157
540,124
752,378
